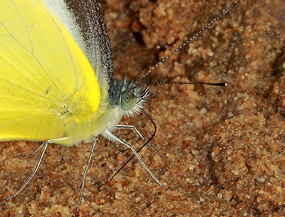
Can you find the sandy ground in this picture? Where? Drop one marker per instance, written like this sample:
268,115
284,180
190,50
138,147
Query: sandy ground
224,146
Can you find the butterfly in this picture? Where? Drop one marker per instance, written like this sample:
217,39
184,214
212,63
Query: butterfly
56,77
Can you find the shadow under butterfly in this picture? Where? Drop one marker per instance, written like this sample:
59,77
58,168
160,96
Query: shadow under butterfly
56,77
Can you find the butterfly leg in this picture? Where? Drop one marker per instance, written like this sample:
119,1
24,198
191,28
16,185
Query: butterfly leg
85,173
30,155
113,137
140,135
44,145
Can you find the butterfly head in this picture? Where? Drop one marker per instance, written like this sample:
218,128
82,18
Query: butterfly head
130,97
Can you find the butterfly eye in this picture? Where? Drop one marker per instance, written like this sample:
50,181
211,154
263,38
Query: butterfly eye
128,100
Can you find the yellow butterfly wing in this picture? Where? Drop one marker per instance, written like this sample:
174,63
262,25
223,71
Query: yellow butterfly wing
47,84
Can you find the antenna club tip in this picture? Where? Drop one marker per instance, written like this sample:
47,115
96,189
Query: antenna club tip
226,84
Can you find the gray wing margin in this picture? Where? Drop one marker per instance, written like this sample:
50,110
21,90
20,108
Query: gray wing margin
91,34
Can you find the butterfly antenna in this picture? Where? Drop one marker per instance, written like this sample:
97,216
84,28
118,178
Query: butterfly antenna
195,83
139,148
188,41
